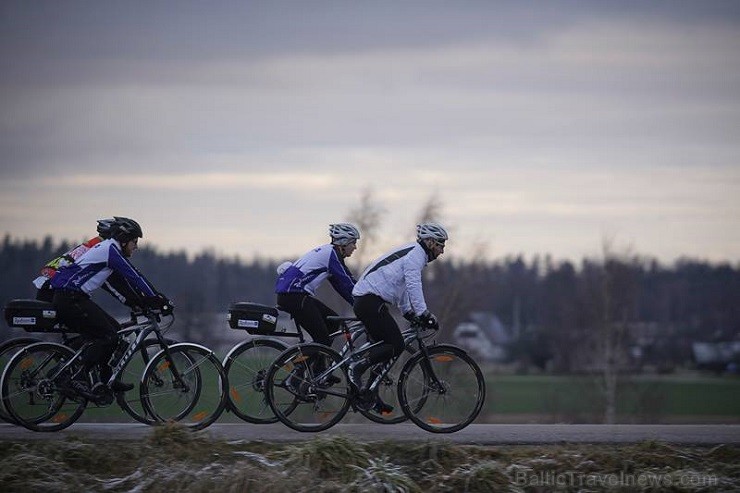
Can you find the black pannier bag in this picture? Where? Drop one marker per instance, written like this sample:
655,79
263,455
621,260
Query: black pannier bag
253,317
32,315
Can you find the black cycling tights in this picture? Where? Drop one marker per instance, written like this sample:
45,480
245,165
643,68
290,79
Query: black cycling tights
380,326
81,314
310,314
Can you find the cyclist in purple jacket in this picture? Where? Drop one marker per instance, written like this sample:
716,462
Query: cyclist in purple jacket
74,283
296,285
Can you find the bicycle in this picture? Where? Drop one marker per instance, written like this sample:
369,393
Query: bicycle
182,382
247,363
128,401
440,388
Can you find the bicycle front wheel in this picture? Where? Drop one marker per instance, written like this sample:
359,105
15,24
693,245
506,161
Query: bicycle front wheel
300,391
246,367
130,401
186,384
444,392
33,392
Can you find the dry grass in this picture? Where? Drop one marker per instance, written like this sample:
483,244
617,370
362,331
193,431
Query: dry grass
174,459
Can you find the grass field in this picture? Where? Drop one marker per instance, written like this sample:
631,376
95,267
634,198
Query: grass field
639,398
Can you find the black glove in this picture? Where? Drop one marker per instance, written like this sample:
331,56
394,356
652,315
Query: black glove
159,302
411,317
428,321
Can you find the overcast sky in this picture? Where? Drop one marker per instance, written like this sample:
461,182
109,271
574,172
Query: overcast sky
248,127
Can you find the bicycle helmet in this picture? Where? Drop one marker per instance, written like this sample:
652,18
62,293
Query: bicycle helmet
434,231
125,230
343,233
104,228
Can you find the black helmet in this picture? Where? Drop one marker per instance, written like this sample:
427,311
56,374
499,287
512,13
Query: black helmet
104,227
125,230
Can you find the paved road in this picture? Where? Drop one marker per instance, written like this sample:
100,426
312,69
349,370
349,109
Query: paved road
483,434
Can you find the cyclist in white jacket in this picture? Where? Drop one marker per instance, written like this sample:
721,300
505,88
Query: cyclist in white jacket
395,279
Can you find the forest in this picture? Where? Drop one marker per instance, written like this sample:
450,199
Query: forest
560,316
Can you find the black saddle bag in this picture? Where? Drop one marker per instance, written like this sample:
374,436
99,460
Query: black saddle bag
32,316
253,317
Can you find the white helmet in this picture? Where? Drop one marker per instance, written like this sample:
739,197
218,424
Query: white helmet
343,233
434,231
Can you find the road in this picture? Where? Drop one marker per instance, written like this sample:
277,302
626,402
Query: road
476,434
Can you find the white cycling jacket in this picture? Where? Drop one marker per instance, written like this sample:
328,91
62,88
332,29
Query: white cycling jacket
396,277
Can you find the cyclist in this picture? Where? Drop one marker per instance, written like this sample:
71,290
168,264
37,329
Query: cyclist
297,282
42,282
394,279
73,284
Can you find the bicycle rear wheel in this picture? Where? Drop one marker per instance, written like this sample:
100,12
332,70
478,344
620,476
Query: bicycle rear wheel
246,366
7,351
442,393
296,394
31,394
186,384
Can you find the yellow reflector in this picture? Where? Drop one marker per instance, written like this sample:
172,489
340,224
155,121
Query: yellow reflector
300,359
288,366
235,396
443,358
434,421
26,363
200,416
163,365
59,418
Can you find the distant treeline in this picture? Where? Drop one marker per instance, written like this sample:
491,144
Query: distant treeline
554,311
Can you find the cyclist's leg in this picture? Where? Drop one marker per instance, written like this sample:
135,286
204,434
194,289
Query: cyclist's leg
374,313
310,314
86,317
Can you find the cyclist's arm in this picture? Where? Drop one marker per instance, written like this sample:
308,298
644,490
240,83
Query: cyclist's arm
119,264
412,266
340,278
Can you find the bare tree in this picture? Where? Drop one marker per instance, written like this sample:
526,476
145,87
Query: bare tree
367,217
619,297
431,211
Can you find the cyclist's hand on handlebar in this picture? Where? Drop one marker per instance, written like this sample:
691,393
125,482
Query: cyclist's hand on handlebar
411,317
159,303
428,321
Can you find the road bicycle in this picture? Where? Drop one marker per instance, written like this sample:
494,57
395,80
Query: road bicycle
182,382
440,388
128,401
247,363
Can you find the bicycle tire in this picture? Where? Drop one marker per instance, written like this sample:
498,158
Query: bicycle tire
446,404
297,399
7,350
185,384
130,401
30,397
246,367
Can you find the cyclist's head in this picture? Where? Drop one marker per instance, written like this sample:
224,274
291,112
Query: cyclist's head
124,231
433,236
344,236
104,228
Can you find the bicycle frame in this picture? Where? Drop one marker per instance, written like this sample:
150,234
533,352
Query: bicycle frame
409,336
142,330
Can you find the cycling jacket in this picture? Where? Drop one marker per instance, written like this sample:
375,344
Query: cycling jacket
94,267
306,273
396,278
